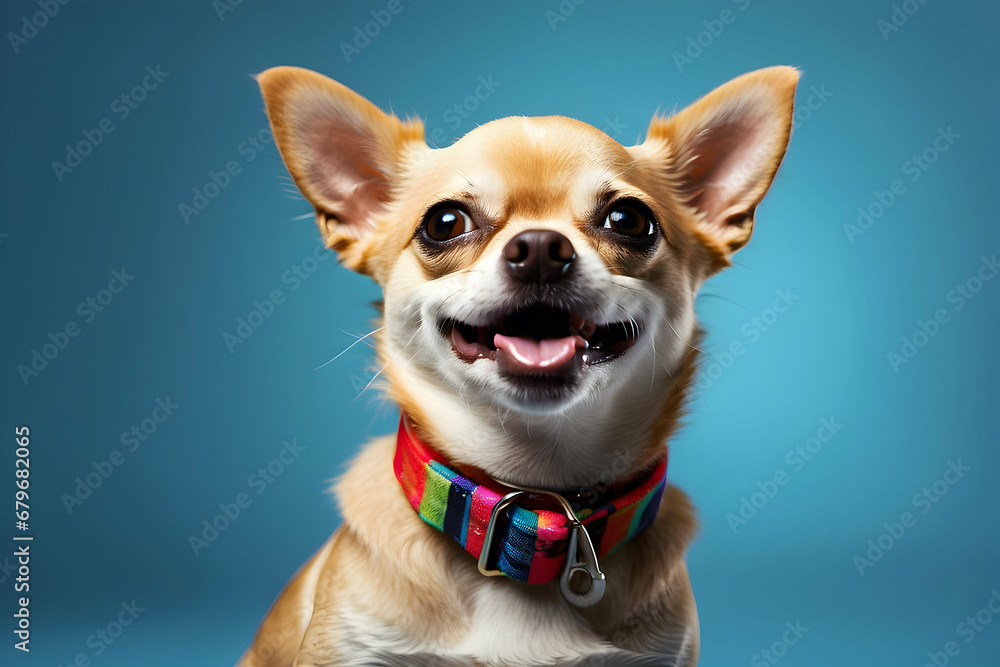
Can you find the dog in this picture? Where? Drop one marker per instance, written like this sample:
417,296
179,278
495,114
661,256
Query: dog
539,337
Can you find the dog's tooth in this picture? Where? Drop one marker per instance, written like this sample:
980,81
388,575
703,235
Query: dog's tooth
576,323
588,328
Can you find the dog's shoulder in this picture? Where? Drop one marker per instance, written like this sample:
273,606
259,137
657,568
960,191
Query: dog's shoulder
280,634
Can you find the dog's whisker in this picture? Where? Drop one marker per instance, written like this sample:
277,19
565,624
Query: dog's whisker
360,338
652,372
719,296
655,358
381,370
666,320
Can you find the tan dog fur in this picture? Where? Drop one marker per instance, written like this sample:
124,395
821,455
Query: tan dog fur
387,588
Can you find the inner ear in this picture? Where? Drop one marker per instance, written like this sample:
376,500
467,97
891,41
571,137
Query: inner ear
344,154
341,173
726,149
721,172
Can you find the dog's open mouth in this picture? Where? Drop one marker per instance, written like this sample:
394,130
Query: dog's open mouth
541,341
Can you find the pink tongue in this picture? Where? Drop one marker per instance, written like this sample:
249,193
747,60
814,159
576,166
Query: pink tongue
531,354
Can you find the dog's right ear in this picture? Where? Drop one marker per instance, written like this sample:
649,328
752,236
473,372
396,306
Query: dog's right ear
342,151
726,150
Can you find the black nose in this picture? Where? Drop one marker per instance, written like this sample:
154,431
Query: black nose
538,256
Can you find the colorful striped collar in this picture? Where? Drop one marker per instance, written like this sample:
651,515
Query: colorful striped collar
528,545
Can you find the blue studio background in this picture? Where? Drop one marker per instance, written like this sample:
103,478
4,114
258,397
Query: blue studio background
867,364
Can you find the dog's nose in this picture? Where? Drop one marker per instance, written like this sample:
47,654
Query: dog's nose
539,256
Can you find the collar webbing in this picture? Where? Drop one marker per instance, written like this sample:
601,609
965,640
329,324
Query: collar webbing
531,543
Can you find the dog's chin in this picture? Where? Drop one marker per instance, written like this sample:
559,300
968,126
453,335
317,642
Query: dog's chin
539,357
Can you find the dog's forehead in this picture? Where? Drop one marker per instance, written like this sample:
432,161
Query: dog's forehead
530,163
555,136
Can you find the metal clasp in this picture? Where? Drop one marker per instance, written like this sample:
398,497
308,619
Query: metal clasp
582,583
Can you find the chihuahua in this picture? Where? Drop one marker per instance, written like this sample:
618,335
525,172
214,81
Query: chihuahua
539,337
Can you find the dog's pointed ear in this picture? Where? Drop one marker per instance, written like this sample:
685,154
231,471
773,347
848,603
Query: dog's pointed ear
726,149
342,151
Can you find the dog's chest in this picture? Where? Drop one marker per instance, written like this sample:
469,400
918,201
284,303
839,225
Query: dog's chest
509,624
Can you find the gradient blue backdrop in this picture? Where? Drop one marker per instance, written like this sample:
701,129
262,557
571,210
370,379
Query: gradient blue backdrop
881,100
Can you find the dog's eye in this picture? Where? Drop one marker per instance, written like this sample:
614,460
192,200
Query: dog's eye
629,221
448,223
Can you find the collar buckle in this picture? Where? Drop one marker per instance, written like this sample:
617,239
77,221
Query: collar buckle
484,555
582,583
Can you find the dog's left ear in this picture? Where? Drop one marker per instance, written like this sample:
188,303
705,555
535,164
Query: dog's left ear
726,148
344,154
